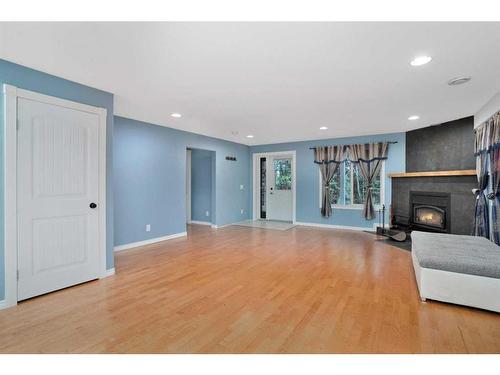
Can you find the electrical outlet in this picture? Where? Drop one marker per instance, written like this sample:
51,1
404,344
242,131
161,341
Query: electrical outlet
207,213
148,227
241,211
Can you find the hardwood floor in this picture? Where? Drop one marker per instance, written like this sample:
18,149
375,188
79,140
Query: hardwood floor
244,290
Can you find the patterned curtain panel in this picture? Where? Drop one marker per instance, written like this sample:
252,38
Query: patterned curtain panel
487,135
486,149
481,225
495,193
329,159
370,157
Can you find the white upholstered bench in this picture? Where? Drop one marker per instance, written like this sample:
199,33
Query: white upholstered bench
458,269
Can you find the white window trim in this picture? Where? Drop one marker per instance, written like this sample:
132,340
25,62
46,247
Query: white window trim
357,206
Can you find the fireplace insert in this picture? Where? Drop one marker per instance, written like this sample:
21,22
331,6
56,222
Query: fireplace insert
431,216
430,211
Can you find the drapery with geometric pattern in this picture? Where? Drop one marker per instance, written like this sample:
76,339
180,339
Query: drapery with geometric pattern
481,226
487,152
495,193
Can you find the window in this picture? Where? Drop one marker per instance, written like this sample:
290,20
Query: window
348,188
334,188
283,174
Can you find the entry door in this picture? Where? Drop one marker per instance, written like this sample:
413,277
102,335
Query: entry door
57,197
279,189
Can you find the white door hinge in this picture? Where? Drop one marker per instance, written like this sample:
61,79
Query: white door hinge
18,275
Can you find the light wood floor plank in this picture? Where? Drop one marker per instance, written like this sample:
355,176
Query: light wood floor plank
245,290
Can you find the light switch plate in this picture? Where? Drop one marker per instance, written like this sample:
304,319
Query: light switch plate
148,227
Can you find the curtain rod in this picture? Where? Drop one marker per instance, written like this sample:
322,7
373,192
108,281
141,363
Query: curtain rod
312,148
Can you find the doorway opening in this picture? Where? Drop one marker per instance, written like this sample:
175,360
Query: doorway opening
200,187
274,197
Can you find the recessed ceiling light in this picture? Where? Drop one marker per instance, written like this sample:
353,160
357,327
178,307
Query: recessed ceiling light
176,115
249,136
413,118
323,128
420,60
458,81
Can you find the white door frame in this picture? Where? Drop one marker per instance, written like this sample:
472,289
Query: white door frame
11,94
256,180
188,185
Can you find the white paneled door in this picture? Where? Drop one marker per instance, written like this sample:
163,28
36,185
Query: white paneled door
57,197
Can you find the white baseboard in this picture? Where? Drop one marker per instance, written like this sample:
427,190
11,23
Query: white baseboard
221,226
199,222
213,226
333,226
5,305
150,241
108,273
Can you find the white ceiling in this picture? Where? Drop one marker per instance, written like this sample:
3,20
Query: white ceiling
277,81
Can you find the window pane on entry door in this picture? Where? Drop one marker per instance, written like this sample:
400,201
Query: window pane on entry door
283,174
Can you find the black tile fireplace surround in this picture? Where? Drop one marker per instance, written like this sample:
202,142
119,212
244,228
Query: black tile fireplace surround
458,189
445,147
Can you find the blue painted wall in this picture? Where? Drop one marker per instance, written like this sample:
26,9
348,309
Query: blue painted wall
33,80
149,173
146,170
307,183
201,185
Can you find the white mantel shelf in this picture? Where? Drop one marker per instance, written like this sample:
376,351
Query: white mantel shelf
461,172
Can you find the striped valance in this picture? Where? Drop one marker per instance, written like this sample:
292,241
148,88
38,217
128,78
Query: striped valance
366,152
329,154
487,135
